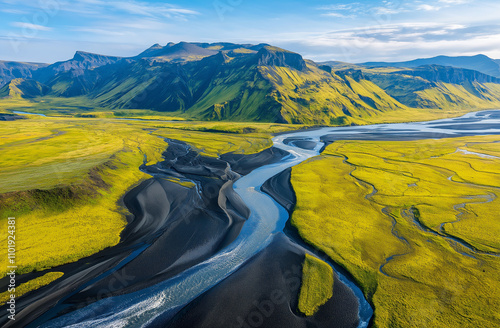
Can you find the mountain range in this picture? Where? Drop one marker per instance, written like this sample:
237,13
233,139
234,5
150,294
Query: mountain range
480,63
244,82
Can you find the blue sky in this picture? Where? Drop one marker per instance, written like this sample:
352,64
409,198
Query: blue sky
352,31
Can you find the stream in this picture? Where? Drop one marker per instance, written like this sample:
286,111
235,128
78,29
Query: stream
267,218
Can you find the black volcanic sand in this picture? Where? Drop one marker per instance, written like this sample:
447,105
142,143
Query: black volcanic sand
280,189
301,143
11,117
172,228
264,293
244,164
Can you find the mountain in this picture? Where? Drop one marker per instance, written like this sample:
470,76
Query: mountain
181,51
270,84
446,74
78,64
480,63
17,70
185,51
21,88
274,56
440,87
242,82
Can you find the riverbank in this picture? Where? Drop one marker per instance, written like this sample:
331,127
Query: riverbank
266,220
401,194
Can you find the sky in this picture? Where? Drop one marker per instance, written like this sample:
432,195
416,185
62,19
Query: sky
350,31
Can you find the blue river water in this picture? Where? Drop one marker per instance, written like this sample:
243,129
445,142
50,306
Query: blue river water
141,308
26,113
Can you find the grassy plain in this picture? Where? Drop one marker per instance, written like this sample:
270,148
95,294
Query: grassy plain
416,223
317,285
31,285
62,178
83,107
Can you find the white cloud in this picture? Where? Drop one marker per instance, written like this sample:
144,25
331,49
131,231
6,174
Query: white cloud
348,6
30,26
136,8
427,7
397,42
337,15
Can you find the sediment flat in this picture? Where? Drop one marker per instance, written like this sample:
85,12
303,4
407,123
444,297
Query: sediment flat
264,293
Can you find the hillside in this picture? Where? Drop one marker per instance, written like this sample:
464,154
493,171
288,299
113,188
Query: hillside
440,87
272,85
225,81
21,88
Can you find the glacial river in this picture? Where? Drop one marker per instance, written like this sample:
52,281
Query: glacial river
141,308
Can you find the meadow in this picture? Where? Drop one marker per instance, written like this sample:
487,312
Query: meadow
415,223
84,107
31,285
317,285
63,178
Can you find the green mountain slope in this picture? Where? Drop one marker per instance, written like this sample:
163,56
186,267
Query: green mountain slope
439,87
21,88
225,81
272,85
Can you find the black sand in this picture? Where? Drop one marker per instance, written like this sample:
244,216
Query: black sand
280,189
244,164
172,228
264,293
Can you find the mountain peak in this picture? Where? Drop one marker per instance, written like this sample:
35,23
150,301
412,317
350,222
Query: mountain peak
155,46
81,55
274,56
88,56
182,51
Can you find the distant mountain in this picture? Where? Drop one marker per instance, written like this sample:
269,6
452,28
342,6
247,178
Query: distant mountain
446,74
78,64
242,82
16,70
480,63
21,88
440,87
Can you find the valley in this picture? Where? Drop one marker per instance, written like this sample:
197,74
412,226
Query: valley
398,208
221,184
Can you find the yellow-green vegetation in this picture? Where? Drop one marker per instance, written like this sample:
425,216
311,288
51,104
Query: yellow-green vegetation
442,93
62,178
316,96
31,285
216,138
415,223
317,285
